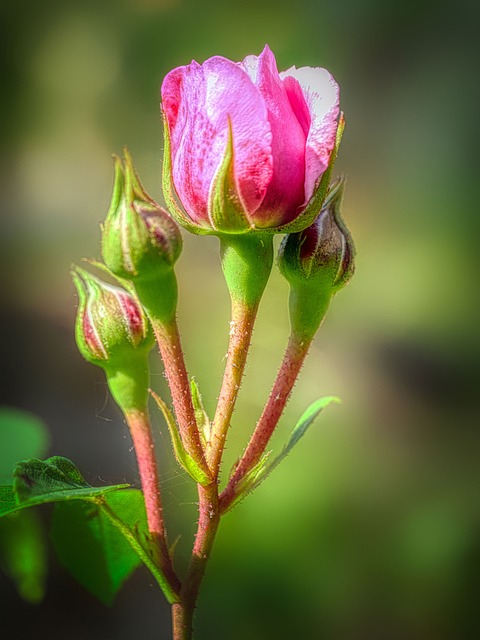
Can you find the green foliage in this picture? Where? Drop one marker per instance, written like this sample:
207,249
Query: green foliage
100,534
23,546
57,478
92,546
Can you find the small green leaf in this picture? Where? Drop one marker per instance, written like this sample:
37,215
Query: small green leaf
182,456
57,478
203,421
23,553
22,435
265,466
306,419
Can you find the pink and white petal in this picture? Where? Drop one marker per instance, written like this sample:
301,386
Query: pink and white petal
321,98
285,192
199,101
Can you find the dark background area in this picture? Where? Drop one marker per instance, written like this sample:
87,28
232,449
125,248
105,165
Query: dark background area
370,529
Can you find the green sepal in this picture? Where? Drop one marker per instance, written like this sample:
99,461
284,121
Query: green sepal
201,416
184,459
169,188
122,282
255,476
311,211
225,208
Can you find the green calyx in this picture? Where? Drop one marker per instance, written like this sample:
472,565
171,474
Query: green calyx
226,212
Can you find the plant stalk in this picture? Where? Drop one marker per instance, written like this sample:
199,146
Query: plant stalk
241,328
168,339
141,432
287,375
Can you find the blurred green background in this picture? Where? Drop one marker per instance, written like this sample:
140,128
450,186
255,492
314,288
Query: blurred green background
370,529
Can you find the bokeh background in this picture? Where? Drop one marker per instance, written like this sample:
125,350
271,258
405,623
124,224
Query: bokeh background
370,529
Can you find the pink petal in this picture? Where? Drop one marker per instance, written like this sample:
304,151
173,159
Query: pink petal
285,192
314,96
198,102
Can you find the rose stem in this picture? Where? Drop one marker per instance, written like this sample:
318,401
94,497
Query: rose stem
288,372
140,429
246,263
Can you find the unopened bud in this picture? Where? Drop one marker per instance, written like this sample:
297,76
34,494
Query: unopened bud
317,262
324,250
139,238
110,323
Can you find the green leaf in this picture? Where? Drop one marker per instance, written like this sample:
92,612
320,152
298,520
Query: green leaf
182,456
266,465
306,419
203,421
23,553
57,478
92,547
111,519
22,435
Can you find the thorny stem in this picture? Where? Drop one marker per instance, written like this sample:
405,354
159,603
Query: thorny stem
140,429
168,339
241,327
293,359
209,520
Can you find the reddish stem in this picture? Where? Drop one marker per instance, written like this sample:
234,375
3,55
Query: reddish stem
168,339
140,430
209,520
241,327
293,359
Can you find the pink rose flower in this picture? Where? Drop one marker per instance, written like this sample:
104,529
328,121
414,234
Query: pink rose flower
247,146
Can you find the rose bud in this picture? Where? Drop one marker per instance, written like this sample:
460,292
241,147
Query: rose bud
246,147
141,242
112,332
139,238
317,262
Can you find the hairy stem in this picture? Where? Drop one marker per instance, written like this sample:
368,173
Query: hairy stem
209,520
241,327
140,429
168,339
293,359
